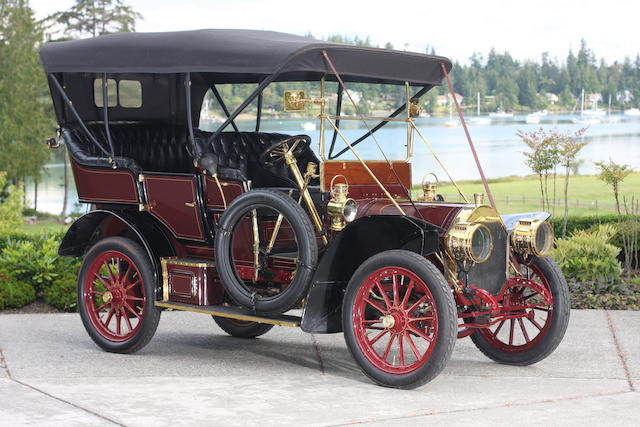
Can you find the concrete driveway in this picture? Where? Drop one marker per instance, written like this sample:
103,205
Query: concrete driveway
191,373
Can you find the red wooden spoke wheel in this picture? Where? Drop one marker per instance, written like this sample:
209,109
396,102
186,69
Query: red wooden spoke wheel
539,326
116,293
399,319
395,320
523,333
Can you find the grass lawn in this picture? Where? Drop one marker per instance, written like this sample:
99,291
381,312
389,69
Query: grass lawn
584,190
42,227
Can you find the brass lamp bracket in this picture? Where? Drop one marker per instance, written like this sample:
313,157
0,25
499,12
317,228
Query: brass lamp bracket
294,100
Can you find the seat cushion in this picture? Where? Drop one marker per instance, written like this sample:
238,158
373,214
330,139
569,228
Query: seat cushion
240,151
147,146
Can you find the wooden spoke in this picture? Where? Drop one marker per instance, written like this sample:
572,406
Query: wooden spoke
524,330
377,337
407,294
375,305
384,295
415,350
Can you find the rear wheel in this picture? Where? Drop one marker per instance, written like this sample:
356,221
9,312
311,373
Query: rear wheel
242,328
529,339
116,295
399,319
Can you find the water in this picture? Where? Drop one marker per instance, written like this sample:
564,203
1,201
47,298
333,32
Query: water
499,149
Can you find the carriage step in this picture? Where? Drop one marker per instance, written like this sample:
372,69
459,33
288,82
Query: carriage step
234,313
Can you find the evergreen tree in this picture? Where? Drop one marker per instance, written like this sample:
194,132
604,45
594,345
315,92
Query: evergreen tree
25,116
91,18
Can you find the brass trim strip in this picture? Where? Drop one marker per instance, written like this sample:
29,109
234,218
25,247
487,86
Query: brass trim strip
184,263
369,118
238,316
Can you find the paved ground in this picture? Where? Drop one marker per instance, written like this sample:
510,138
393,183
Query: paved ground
191,373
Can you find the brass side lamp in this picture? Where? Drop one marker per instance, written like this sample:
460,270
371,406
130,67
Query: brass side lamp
341,208
429,188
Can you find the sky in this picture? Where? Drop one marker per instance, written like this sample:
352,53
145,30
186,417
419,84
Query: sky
455,29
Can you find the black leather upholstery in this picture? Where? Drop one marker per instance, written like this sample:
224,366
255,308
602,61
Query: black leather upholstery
237,154
147,147
162,148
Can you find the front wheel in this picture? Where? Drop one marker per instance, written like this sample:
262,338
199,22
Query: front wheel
525,340
399,319
116,295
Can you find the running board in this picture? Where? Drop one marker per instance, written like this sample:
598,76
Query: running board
234,313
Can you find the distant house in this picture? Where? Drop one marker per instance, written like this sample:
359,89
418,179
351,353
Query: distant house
443,100
552,98
592,98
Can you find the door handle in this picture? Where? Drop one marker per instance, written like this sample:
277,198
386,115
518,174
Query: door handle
190,204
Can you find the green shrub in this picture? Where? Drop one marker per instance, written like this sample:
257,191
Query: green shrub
587,222
61,293
10,205
625,228
35,259
14,292
587,255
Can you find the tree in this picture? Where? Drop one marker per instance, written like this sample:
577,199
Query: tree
613,174
569,149
97,17
25,117
543,158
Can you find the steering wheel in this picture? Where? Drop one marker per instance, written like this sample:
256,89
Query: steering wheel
296,145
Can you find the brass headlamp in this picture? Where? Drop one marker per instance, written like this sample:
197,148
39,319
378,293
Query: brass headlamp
341,208
532,236
469,242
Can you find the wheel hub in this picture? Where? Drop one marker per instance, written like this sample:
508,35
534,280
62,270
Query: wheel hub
107,297
388,321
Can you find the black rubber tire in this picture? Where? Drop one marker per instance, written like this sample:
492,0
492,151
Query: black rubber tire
241,329
151,313
447,318
307,250
560,321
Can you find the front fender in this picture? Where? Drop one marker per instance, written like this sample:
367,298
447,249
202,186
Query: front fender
359,241
510,220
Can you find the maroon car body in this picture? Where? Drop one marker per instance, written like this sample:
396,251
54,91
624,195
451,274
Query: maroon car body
247,225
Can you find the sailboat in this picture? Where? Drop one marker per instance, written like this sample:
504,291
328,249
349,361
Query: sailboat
451,123
479,120
610,118
501,114
584,119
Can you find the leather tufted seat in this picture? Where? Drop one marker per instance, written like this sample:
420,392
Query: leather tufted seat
237,155
148,147
163,148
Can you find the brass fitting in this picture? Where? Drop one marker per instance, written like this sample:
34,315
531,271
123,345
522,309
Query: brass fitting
470,242
341,208
532,237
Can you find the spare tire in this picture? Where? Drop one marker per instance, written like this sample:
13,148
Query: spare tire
239,289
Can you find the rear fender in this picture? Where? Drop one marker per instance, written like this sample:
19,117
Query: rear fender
359,241
100,224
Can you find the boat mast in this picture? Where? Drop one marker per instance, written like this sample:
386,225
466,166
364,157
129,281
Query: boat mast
478,104
582,104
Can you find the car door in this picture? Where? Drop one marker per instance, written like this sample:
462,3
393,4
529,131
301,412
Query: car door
174,201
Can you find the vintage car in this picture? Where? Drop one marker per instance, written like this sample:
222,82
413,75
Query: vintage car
258,229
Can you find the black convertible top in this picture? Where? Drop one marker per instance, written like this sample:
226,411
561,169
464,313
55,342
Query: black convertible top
239,56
